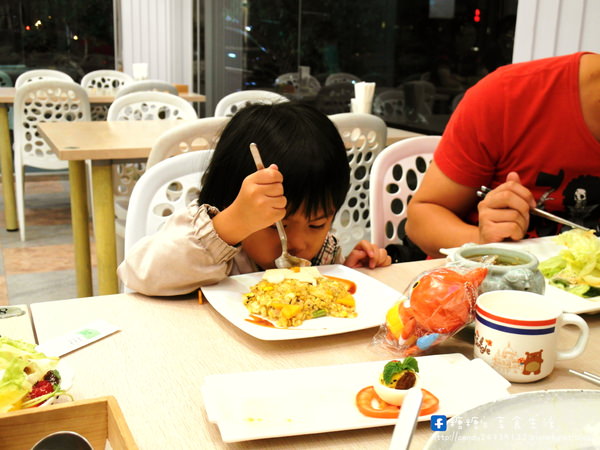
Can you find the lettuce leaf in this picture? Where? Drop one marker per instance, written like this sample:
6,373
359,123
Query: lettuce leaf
21,366
576,268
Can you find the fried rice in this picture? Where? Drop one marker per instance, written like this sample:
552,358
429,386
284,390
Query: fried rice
290,302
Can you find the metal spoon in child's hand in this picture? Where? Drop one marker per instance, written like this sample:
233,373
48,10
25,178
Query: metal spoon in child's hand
285,260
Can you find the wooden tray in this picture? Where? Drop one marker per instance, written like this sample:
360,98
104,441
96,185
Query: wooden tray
98,420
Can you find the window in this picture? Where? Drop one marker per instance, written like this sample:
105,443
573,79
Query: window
423,53
72,36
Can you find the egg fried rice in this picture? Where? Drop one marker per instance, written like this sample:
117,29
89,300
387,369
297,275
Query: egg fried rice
291,302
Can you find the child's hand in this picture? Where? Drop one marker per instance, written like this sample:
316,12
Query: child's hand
366,254
259,204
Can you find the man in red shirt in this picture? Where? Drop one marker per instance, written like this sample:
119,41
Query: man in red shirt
531,132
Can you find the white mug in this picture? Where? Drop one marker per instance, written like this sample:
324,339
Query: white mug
516,333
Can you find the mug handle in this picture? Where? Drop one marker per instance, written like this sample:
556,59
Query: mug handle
579,347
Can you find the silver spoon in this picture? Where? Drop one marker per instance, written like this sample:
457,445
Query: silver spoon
285,260
407,420
63,440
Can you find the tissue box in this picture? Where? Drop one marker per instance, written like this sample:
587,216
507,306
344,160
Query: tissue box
99,420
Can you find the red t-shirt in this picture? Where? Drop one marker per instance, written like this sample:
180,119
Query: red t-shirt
527,117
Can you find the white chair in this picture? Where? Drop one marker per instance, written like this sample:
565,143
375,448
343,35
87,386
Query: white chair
36,102
395,176
169,185
419,96
364,136
200,134
335,98
5,80
147,85
39,75
145,105
148,105
390,105
232,103
291,80
106,79
341,77
109,81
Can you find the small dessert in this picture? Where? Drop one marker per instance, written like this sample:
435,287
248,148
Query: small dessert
384,399
396,379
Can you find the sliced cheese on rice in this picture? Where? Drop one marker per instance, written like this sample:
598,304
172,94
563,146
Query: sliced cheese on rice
304,274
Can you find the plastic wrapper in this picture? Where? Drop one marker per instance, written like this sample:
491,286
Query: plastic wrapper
438,304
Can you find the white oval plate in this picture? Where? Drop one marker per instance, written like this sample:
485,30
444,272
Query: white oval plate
557,419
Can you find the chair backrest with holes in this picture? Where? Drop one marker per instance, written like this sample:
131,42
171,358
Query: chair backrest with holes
111,80
390,105
169,185
364,136
232,103
39,75
147,85
45,101
335,98
200,134
5,80
144,105
395,176
341,77
312,85
149,105
419,96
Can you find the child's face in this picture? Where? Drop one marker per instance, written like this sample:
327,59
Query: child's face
305,238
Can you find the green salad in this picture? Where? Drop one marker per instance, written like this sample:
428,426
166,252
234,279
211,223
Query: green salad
27,377
576,268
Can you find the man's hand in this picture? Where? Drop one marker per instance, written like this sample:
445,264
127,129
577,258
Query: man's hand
504,212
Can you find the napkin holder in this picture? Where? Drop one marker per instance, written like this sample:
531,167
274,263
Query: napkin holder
363,98
99,420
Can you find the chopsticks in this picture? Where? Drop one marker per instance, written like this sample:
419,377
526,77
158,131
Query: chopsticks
483,191
592,378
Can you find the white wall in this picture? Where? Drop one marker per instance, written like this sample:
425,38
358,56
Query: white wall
158,32
556,27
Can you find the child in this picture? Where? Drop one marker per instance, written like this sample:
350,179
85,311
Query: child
230,228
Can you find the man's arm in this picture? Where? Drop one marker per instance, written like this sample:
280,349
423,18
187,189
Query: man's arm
436,212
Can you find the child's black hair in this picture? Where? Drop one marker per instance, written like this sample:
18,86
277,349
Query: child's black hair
303,142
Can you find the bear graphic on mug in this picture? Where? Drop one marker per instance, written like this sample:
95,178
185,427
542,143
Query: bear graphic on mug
533,363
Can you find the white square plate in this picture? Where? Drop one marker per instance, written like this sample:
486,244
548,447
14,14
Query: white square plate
322,399
373,299
544,248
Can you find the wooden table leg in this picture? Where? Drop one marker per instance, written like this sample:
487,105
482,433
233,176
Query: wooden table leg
104,227
8,182
81,233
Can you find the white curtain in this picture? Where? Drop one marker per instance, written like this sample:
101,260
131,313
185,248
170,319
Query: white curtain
556,27
158,32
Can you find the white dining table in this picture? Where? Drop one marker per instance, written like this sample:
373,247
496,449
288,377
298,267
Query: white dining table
155,365
15,322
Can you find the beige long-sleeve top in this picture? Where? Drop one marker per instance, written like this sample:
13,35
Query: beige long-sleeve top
187,253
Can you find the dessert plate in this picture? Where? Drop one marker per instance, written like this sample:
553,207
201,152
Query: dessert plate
322,399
